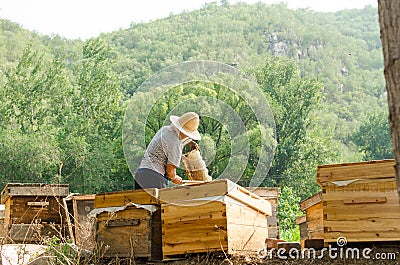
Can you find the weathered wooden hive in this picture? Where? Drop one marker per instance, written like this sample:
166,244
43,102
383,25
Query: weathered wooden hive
360,201
128,224
33,212
81,227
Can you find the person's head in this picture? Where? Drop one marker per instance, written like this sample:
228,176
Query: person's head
187,125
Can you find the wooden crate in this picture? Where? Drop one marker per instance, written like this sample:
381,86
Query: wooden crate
212,226
360,201
81,227
38,205
312,207
214,216
272,195
131,232
121,198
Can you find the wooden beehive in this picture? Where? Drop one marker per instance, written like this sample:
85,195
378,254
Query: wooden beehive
272,195
314,225
131,232
214,216
32,211
81,227
360,201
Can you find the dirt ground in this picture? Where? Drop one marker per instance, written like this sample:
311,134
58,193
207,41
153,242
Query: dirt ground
386,255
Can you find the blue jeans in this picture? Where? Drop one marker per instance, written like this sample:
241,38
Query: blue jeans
146,178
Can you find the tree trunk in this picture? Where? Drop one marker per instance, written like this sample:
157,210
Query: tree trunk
389,20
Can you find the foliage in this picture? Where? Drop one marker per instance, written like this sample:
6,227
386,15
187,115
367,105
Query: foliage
289,210
373,137
301,146
60,130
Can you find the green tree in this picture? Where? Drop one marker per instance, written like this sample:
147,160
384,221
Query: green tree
300,146
90,134
373,137
31,102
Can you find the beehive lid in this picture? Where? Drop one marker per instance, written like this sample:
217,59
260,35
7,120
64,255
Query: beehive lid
121,198
311,201
215,189
367,170
34,189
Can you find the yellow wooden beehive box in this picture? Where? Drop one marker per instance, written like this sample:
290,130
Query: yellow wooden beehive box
215,216
360,201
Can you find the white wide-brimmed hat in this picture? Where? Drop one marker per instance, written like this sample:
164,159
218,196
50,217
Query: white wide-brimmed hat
187,124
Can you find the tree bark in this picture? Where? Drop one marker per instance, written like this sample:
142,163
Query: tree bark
389,21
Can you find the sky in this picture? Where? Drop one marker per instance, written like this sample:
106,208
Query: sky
88,18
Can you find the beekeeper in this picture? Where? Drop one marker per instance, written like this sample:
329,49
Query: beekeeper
163,154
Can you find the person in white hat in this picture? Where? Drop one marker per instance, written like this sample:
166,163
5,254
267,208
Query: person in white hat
163,154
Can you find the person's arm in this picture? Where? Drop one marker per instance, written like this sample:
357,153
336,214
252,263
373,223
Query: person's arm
171,174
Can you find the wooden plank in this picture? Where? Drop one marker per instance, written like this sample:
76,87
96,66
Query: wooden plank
215,188
34,189
359,200
250,199
196,246
7,213
349,195
313,243
357,212
70,231
265,192
361,170
272,243
121,198
367,236
243,238
363,225
381,185
289,245
300,219
243,215
310,201
31,233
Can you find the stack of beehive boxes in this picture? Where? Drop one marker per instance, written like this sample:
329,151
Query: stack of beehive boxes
360,201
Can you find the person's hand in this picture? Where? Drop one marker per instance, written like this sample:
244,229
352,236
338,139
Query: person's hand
193,146
177,180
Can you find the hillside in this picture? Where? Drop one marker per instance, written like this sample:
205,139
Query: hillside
342,50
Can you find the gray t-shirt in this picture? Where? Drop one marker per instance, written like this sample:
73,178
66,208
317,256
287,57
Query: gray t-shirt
165,148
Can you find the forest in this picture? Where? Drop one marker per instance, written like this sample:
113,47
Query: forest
62,101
